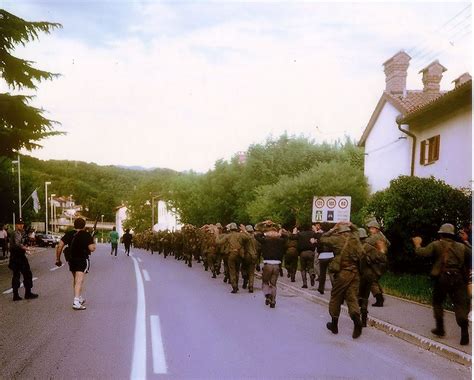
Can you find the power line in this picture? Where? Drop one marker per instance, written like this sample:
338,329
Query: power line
417,47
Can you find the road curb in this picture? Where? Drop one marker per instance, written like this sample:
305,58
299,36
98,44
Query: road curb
390,329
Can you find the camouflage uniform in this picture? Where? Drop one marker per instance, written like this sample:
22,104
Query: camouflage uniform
250,260
348,251
291,258
372,265
452,261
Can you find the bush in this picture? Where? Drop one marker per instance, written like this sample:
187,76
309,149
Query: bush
416,206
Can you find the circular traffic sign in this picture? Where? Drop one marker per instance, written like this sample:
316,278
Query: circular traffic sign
319,203
331,203
343,203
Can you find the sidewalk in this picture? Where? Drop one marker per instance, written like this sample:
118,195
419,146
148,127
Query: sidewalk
404,319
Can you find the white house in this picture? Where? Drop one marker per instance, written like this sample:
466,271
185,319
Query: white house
168,219
424,132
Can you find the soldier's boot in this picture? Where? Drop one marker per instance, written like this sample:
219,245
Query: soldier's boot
293,277
234,289
305,280
333,325
312,278
214,273
250,289
16,296
206,267
363,310
464,333
439,330
357,326
379,300
257,268
268,298
246,281
29,295
225,279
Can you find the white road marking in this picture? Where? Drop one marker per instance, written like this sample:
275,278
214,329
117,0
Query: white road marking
139,345
21,286
55,268
139,260
159,360
146,275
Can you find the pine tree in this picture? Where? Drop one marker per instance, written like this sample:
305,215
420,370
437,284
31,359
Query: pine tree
21,125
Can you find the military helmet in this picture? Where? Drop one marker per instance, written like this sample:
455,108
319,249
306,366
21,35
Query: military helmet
446,228
218,225
373,223
362,233
343,228
249,228
232,226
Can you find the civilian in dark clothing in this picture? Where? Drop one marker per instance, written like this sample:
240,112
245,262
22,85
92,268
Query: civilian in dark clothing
80,244
127,241
306,246
273,247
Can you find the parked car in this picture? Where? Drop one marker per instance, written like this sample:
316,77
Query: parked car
46,240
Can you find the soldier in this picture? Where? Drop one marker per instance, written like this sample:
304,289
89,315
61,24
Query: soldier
372,266
250,258
306,246
273,243
127,239
452,260
291,257
344,240
235,245
19,264
375,236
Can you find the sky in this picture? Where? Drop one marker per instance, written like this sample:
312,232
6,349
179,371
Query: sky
182,84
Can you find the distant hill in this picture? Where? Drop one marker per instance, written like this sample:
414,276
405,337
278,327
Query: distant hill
99,189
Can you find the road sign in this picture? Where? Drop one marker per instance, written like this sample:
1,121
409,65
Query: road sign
331,209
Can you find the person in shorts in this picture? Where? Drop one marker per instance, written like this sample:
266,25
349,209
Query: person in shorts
81,244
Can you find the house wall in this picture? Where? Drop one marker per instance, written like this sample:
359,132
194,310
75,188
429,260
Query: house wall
167,219
120,217
455,155
386,155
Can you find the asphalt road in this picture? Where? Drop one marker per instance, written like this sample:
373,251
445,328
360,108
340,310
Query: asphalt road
152,317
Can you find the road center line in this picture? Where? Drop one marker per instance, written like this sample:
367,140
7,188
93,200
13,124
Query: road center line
139,260
146,275
139,344
8,291
159,360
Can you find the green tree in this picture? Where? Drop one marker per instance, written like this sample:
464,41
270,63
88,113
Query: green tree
417,206
21,125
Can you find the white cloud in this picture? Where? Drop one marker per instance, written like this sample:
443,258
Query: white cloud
185,99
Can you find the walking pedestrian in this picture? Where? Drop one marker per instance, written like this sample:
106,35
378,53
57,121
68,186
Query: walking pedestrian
114,239
344,240
306,248
452,260
250,258
273,247
372,265
80,244
3,240
19,264
377,237
127,239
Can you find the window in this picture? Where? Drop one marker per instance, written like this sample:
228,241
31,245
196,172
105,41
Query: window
429,150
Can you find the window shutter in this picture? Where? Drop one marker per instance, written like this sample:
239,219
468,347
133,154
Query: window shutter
423,152
436,141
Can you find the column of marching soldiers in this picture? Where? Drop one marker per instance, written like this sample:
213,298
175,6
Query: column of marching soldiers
239,249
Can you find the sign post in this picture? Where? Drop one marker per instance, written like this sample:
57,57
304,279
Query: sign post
331,209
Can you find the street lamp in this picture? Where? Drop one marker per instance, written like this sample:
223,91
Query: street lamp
46,204
19,185
52,213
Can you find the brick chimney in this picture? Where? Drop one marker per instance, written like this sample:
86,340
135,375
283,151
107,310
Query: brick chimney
432,75
396,73
466,77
